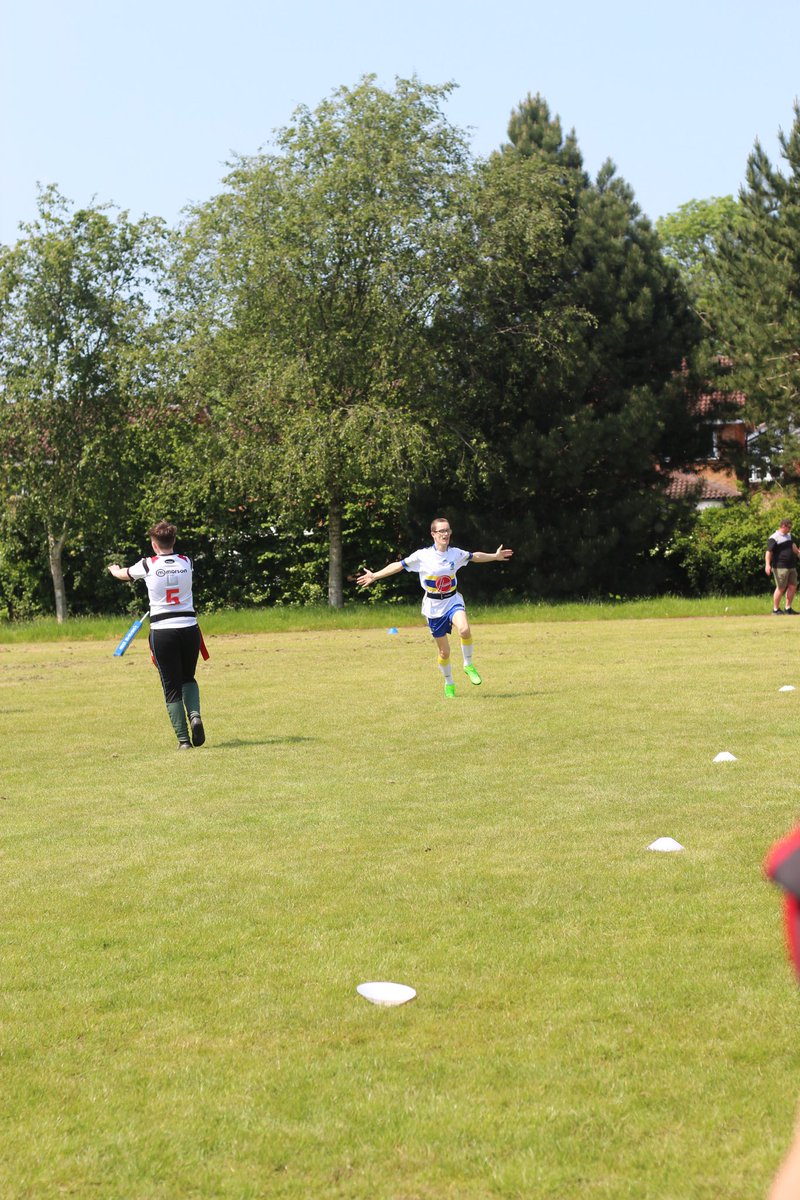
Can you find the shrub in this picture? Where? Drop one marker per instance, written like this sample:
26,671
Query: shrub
724,551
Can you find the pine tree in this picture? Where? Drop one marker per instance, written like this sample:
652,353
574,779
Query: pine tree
760,320
582,425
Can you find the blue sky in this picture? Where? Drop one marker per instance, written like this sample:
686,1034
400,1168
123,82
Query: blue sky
142,104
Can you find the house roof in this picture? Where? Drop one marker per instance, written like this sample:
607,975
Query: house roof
682,485
710,402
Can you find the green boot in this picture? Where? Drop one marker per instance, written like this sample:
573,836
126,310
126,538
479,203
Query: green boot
191,702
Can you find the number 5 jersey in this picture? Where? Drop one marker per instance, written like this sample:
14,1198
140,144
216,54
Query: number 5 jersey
169,587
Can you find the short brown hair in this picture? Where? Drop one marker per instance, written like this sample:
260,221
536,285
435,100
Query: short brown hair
164,533
436,521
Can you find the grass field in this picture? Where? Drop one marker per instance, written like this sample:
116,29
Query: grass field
182,935
380,616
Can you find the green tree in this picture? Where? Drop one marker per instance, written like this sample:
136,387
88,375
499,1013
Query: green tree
74,316
319,270
507,322
692,238
697,239
586,410
534,133
759,324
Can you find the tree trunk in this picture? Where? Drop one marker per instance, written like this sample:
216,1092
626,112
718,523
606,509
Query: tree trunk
55,546
335,590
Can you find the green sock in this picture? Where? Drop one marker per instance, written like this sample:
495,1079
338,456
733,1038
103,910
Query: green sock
191,698
177,716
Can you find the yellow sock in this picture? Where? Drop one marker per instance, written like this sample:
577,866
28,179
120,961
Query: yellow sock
466,650
446,669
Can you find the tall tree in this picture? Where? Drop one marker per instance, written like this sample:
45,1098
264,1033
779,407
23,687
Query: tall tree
535,133
692,238
584,429
320,268
74,309
507,321
759,323
697,239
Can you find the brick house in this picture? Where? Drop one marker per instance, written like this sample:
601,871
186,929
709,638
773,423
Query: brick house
713,479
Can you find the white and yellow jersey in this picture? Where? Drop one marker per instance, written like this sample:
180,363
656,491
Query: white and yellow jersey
169,587
437,575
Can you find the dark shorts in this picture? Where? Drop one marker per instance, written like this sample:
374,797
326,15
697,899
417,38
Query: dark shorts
440,626
175,653
785,576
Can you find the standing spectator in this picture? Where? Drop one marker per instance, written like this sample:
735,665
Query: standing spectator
781,562
174,632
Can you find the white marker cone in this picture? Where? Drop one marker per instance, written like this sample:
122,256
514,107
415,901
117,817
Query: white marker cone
665,844
386,994
724,756
787,687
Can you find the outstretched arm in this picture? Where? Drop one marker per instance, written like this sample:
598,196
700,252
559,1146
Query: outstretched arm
367,577
500,555
119,572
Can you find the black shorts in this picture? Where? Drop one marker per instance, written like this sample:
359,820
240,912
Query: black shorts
175,653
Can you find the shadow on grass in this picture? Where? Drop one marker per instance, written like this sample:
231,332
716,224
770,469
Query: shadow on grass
509,695
288,740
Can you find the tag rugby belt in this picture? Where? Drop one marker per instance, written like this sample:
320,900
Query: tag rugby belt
166,616
441,595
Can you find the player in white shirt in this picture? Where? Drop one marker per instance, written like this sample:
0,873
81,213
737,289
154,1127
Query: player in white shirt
174,632
442,603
